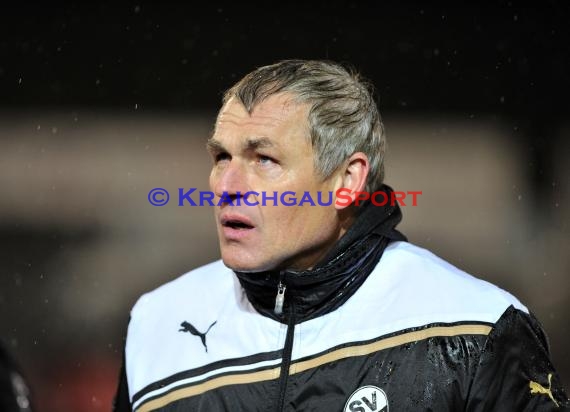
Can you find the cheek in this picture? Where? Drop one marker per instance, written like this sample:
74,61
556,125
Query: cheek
283,221
299,222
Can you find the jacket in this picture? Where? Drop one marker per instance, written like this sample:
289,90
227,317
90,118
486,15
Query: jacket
379,325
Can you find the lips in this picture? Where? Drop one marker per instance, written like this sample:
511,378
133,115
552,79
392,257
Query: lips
236,222
236,227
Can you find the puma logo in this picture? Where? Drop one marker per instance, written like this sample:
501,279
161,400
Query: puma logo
187,327
539,389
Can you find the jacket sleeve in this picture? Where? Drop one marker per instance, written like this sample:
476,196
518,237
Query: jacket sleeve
514,371
122,402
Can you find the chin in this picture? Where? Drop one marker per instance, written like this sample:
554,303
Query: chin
245,264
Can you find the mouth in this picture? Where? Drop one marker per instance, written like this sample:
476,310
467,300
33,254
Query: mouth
236,223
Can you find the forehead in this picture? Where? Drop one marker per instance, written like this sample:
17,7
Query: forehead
278,118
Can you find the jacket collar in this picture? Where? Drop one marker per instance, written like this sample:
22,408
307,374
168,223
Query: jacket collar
315,292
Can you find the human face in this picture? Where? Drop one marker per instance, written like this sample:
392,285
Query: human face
269,151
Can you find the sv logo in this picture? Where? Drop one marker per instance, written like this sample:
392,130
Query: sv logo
367,399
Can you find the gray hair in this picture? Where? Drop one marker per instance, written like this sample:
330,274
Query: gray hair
343,117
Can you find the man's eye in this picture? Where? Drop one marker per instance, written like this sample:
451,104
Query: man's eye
219,157
266,160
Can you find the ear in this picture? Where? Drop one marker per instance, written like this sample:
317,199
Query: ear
352,180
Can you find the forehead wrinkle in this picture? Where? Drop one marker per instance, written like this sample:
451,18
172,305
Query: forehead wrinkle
234,112
265,123
255,120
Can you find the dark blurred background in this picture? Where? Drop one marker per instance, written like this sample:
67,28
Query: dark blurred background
100,102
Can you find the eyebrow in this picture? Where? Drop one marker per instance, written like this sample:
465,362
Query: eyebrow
258,143
251,144
215,146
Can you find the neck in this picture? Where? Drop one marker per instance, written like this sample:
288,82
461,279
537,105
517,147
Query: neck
325,284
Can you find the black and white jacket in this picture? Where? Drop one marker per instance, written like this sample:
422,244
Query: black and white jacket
382,325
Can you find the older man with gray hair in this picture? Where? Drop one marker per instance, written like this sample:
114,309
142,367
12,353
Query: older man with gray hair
328,307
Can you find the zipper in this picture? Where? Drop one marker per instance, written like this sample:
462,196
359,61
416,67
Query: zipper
286,363
288,349
280,298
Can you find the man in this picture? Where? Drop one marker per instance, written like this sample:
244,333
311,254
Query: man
323,308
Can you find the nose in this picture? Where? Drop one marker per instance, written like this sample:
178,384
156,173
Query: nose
230,179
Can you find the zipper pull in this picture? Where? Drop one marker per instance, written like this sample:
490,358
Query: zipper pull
279,299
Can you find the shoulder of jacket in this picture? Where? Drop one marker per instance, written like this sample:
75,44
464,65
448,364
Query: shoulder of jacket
432,285
193,284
